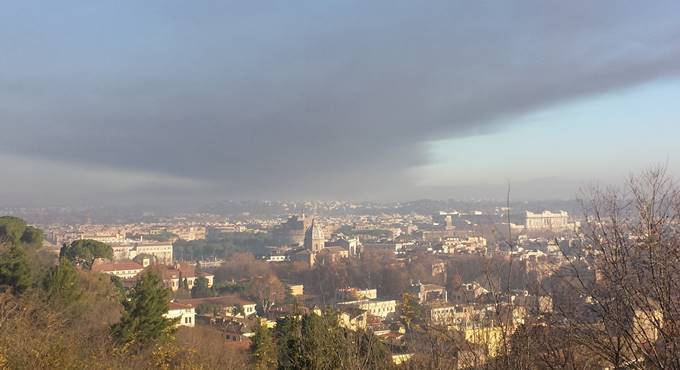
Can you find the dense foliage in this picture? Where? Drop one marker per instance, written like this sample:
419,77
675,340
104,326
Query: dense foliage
317,342
14,270
143,319
201,288
54,315
83,252
14,230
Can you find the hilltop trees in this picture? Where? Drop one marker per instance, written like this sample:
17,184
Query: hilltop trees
39,301
85,251
11,229
15,272
61,285
32,236
15,269
14,230
54,315
143,319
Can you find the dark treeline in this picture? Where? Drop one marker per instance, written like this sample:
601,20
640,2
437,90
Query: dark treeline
224,245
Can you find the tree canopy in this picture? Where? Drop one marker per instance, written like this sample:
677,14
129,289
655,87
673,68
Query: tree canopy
319,342
85,251
11,228
143,320
201,288
15,271
263,349
61,285
14,230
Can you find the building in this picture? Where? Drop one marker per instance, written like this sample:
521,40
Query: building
178,275
355,294
547,221
106,239
470,245
468,293
122,269
332,254
185,313
374,307
429,292
296,290
162,251
230,305
536,305
315,240
490,337
444,220
294,229
443,313
277,258
306,256
351,245
352,318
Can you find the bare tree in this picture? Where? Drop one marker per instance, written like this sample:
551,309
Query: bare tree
628,274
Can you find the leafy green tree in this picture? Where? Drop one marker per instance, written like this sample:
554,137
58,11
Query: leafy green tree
263,349
411,311
117,283
85,251
61,284
143,321
289,343
15,271
321,340
11,229
32,236
201,289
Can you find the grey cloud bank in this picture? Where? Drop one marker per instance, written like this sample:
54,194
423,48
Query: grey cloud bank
311,101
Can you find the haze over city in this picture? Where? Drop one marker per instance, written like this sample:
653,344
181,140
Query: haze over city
169,102
350,185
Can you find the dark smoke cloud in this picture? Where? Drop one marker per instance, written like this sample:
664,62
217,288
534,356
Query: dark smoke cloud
317,101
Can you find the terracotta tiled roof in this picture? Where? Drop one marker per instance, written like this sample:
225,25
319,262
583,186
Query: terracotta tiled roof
116,266
174,272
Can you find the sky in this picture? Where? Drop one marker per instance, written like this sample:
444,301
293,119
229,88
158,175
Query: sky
168,101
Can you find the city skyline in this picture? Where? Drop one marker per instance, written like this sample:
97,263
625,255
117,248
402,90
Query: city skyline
158,102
